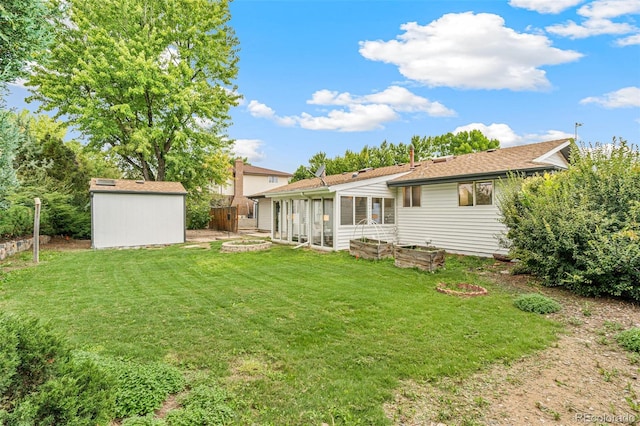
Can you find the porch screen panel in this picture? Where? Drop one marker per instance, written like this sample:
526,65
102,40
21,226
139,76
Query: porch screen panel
361,209
346,210
327,220
389,211
376,210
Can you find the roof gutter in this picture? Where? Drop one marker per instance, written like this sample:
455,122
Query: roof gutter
474,176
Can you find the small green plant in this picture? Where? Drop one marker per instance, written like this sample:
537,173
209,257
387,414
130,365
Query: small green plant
608,375
575,321
630,339
204,405
535,302
586,309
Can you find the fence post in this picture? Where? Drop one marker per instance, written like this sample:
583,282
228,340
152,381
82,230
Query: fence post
36,231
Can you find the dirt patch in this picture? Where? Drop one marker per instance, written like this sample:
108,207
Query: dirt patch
65,243
584,378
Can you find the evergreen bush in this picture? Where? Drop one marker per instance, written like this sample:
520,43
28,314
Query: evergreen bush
537,303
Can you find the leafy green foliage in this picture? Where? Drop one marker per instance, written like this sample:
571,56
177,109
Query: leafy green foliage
203,405
147,420
198,208
42,383
538,303
389,154
149,81
139,388
630,339
9,141
25,29
580,228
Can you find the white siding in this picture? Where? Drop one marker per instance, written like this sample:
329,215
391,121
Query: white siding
441,222
347,232
128,220
255,184
264,214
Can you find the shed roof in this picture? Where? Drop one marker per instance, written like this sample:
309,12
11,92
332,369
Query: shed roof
135,186
524,158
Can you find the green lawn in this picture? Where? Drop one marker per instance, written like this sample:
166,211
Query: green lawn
296,336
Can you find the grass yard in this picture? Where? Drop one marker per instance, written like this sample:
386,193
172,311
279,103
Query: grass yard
295,336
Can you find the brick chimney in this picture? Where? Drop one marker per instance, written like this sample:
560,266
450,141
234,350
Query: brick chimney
238,189
244,205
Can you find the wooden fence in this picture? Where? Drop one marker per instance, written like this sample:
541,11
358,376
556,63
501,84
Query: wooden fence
224,219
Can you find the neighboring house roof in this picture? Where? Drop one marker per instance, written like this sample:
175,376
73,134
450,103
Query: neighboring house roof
135,186
260,171
343,178
492,163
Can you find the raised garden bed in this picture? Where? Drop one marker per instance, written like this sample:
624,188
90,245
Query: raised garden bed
366,248
461,289
237,246
421,257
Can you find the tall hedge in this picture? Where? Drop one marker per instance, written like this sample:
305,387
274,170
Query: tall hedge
580,228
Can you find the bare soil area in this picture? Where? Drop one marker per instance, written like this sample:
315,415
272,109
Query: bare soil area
584,378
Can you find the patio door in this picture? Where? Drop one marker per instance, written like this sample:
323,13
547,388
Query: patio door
322,222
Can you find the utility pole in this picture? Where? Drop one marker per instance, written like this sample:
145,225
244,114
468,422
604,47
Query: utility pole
575,138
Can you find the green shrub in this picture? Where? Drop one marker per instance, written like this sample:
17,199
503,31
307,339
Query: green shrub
147,420
198,208
630,339
580,228
139,389
42,383
535,302
203,405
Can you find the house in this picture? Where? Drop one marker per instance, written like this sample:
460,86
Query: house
247,181
130,213
448,202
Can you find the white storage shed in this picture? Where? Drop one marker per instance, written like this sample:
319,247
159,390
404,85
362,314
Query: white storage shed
131,213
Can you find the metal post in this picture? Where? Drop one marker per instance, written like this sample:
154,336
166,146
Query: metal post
36,231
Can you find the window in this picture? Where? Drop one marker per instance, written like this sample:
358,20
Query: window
361,210
475,193
273,179
346,210
411,196
383,210
357,210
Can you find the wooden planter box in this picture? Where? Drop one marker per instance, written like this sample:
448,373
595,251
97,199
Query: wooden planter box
370,249
422,257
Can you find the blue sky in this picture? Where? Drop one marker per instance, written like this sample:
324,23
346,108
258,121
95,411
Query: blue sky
328,76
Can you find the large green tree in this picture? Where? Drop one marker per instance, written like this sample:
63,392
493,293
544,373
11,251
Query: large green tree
148,80
388,154
25,29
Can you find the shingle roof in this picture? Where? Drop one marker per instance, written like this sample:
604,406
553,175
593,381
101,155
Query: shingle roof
492,162
253,170
331,180
137,186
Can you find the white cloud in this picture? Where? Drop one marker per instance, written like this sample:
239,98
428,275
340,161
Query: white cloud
249,148
260,110
626,97
357,113
590,28
606,9
629,41
597,20
19,82
545,6
467,50
508,137
398,98
357,118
